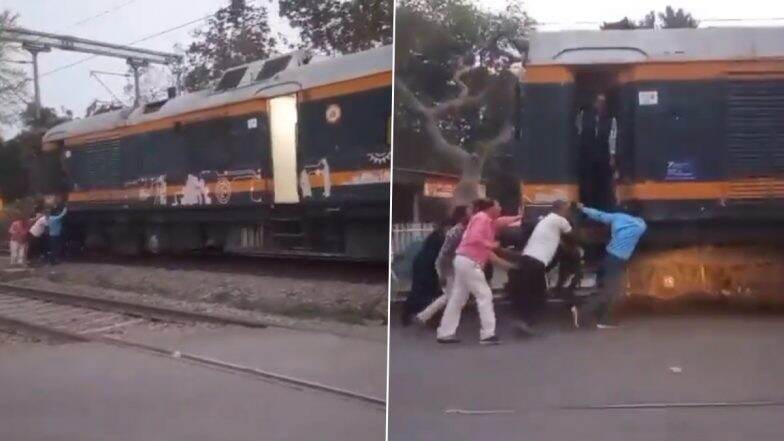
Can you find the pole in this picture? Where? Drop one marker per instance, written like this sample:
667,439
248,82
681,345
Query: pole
135,66
34,51
36,86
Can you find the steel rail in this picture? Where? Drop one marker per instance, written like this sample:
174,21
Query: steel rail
131,308
62,335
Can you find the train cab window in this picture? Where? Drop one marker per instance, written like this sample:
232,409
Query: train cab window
154,106
231,79
273,67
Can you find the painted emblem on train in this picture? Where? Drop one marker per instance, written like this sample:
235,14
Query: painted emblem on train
313,176
333,113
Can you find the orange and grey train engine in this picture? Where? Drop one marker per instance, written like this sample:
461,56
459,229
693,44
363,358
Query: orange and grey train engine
689,127
287,156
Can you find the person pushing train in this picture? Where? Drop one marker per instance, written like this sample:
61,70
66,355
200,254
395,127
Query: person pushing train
625,233
461,215
476,248
527,284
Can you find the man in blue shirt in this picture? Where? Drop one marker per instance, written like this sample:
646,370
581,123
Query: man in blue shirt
625,232
55,236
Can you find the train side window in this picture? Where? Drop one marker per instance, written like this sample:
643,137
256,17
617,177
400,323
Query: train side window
247,142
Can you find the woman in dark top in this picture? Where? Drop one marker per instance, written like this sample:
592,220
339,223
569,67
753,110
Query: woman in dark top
425,286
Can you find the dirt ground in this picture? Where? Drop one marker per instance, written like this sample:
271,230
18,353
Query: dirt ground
281,300
13,338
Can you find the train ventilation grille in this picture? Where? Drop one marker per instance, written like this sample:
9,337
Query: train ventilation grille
755,136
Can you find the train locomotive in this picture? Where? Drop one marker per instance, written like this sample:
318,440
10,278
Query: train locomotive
698,151
288,156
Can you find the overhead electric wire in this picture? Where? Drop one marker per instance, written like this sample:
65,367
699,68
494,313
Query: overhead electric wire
145,38
93,17
108,89
101,14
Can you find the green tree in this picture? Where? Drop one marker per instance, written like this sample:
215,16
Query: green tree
669,19
24,167
236,34
13,174
47,119
340,26
456,86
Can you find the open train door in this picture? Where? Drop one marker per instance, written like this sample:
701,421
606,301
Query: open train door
283,135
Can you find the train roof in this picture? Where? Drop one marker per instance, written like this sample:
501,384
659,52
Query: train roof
293,78
655,45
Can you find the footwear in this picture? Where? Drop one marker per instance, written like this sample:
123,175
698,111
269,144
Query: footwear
606,326
576,316
448,339
492,340
419,321
525,328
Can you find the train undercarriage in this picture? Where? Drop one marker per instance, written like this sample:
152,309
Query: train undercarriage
352,234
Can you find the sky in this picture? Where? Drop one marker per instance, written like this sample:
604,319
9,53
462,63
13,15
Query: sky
130,20
127,21
580,14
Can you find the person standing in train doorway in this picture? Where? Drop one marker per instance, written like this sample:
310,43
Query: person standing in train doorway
625,233
597,130
476,248
55,251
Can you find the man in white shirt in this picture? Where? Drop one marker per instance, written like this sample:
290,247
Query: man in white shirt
37,247
530,287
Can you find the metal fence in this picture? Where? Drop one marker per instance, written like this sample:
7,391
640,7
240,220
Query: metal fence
403,235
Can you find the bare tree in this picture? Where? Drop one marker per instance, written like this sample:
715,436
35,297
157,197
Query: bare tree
479,80
13,80
153,84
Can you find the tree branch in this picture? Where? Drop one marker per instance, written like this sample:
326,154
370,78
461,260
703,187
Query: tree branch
452,152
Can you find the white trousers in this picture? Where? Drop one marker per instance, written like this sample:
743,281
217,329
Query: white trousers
469,279
439,303
18,252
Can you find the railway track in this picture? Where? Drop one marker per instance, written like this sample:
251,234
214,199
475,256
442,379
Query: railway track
60,317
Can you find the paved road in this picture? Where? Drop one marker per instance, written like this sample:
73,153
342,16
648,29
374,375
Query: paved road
721,358
358,364
94,392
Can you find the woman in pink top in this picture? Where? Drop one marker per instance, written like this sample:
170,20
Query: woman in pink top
18,241
475,250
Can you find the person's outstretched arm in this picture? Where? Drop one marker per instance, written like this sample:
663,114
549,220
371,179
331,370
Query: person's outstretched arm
501,262
597,215
505,221
59,216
